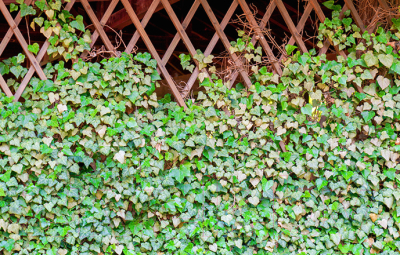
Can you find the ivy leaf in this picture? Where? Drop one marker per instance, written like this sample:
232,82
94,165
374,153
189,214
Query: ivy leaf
20,58
307,109
143,57
266,184
321,182
390,173
329,4
119,66
8,245
41,4
182,172
34,48
209,153
368,115
13,7
370,59
290,48
27,10
347,174
78,23
4,69
345,248
386,59
17,70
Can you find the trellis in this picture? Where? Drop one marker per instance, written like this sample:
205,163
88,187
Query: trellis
181,34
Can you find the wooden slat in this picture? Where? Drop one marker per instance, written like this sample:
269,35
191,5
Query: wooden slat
144,22
153,51
21,40
177,37
225,42
258,30
212,44
179,27
97,25
181,31
354,13
291,26
302,22
120,19
4,86
103,21
39,57
318,10
267,15
10,32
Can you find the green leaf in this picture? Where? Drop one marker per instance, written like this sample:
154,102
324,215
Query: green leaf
329,4
41,4
17,70
4,69
78,23
182,172
347,174
390,173
290,48
368,115
307,109
27,10
321,182
370,59
386,59
13,7
266,184
34,48
9,245
119,66
345,248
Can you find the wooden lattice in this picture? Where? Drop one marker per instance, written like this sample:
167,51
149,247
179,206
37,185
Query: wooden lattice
181,34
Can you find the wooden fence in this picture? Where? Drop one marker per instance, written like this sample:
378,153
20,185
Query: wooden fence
99,24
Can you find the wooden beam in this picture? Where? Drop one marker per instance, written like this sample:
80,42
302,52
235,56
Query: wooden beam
144,22
4,86
291,26
354,13
225,42
261,37
153,52
211,45
7,2
97,25
182,33
302,22
120,19
177,38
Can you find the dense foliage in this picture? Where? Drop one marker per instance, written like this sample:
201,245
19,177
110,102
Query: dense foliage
92,162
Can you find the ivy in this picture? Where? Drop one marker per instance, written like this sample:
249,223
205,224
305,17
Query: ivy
92,161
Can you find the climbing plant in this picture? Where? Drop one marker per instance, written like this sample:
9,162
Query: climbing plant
93,162
67,34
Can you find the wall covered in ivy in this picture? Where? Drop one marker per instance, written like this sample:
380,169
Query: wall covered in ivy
92,162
